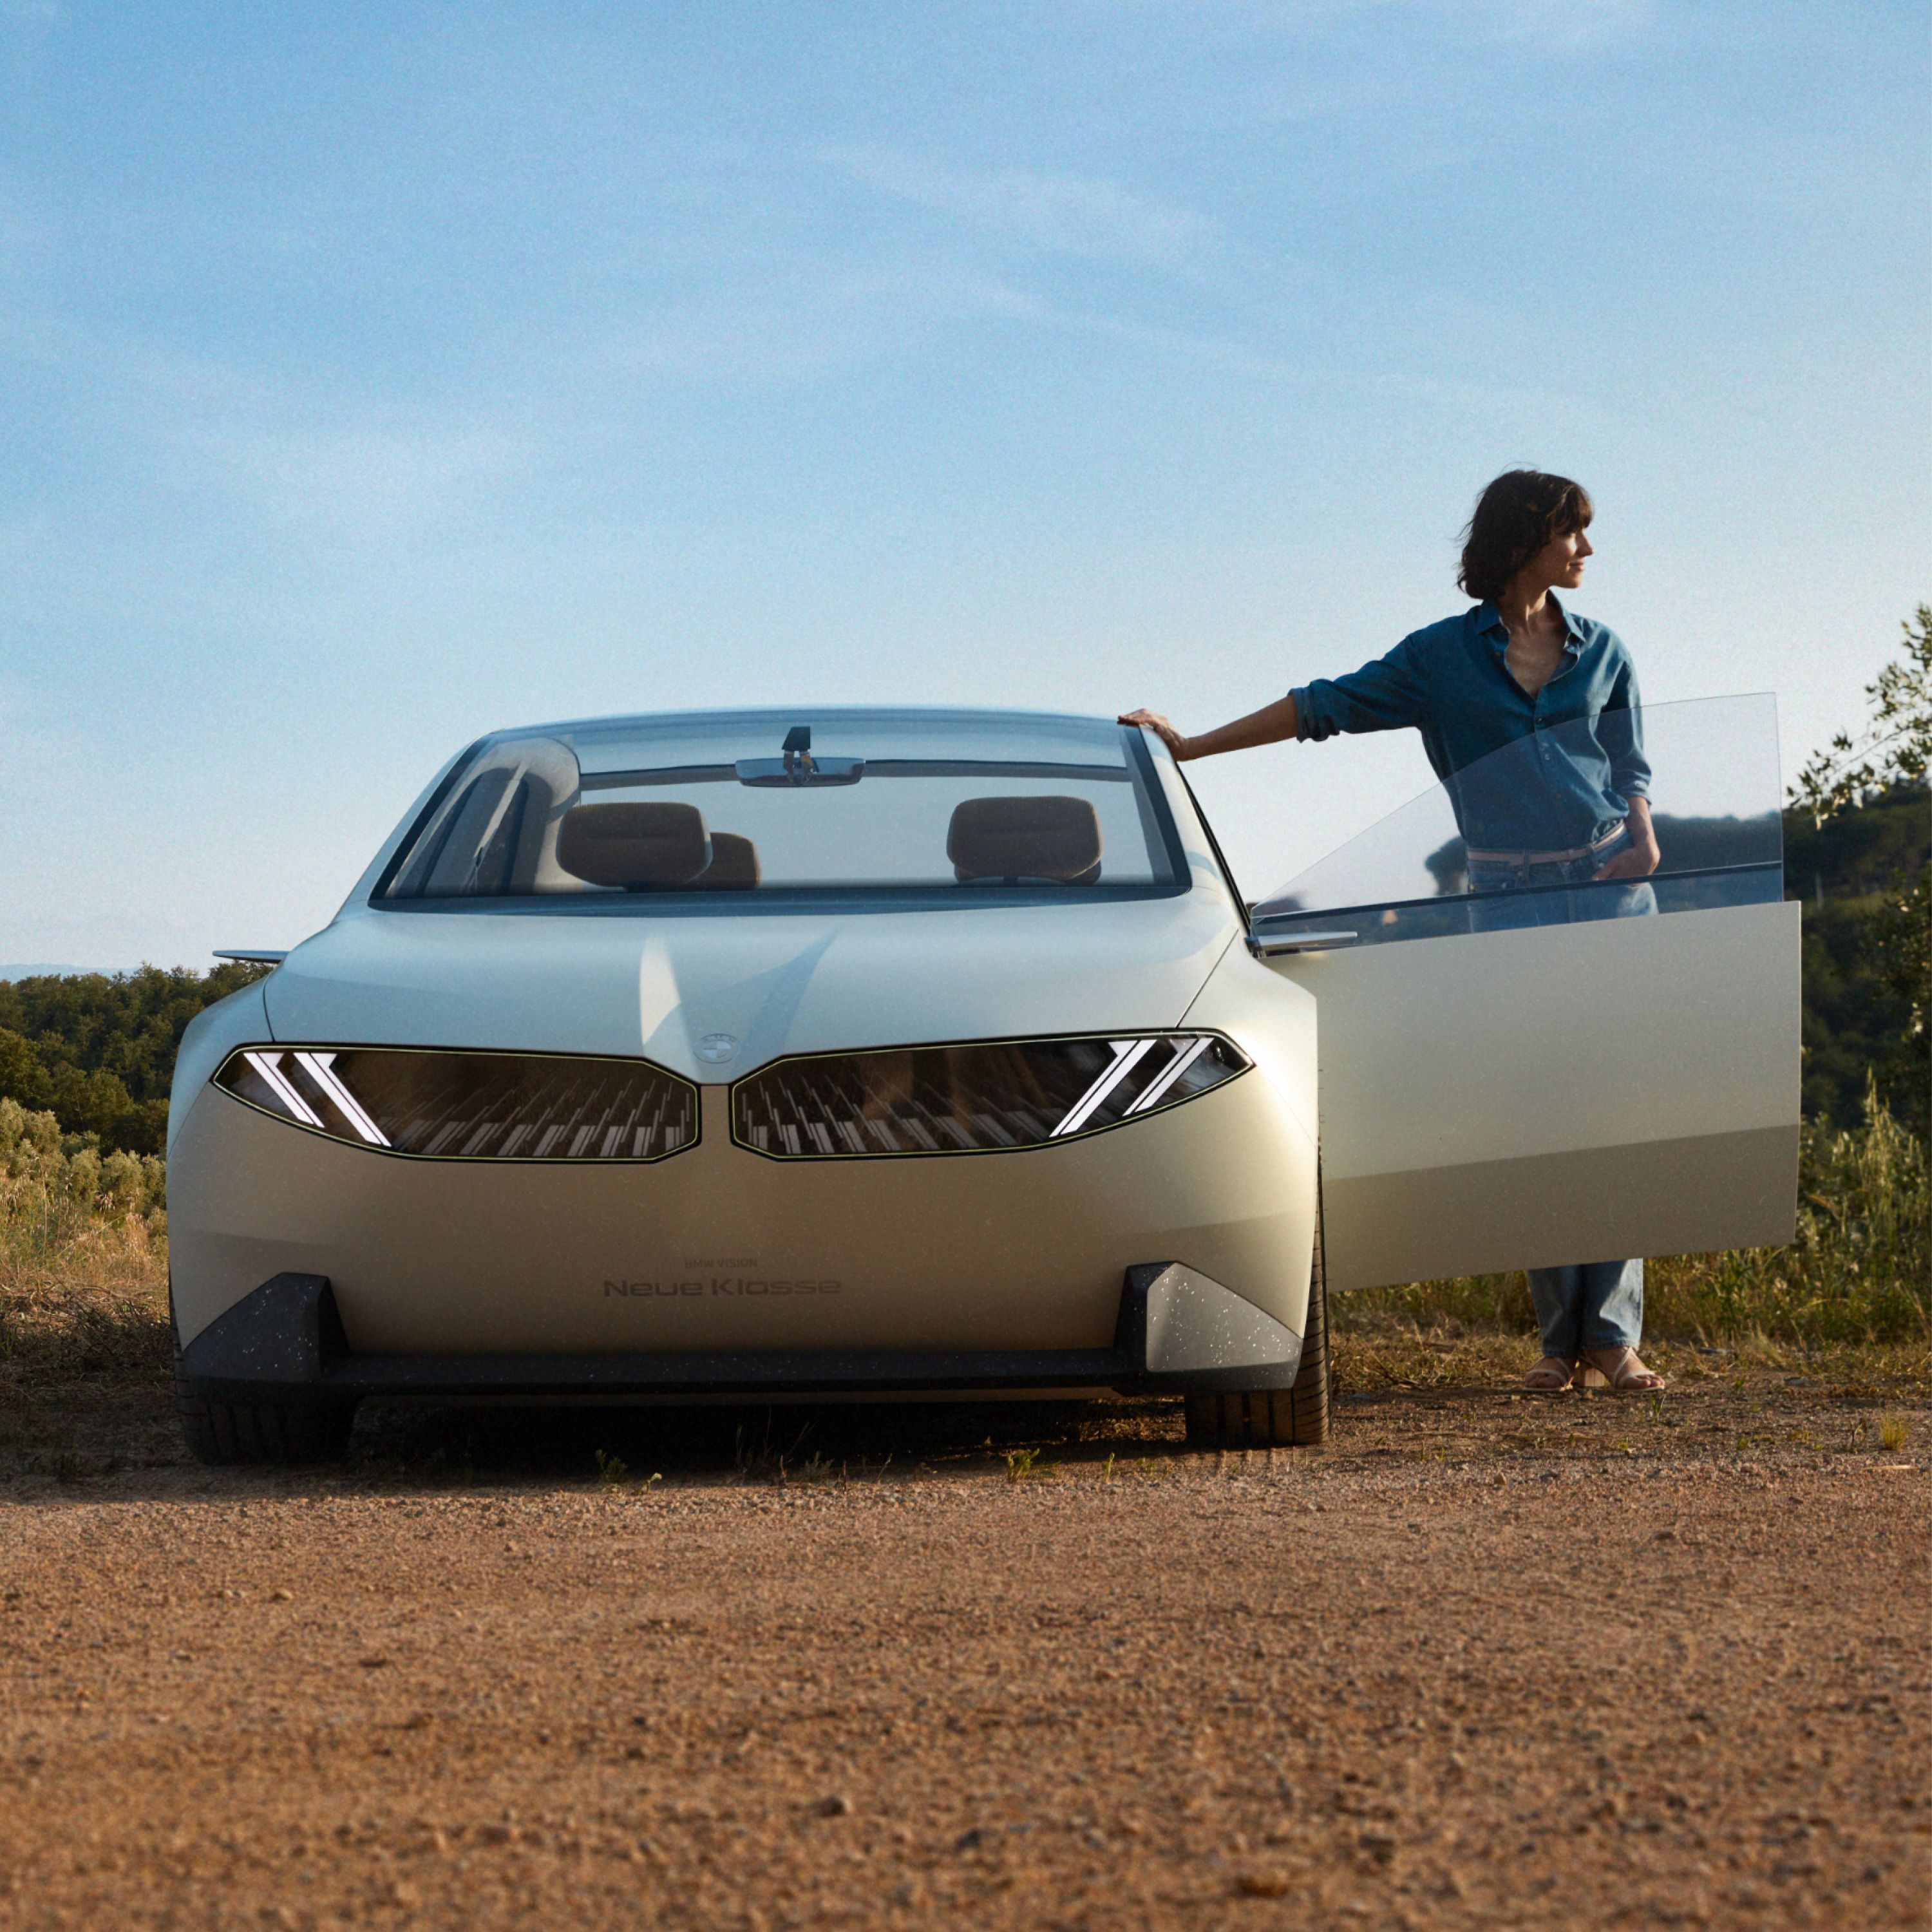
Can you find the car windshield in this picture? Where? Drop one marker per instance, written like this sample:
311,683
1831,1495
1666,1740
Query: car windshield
749,810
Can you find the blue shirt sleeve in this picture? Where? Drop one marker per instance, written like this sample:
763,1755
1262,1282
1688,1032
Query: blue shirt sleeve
1386,695
1620,730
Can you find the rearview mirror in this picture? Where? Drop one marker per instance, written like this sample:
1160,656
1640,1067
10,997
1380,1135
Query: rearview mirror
800,771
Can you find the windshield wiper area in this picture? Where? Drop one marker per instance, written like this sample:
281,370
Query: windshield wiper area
797,767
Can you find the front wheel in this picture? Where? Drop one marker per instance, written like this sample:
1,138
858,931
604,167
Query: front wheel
226,1433
1296,1417
265,1432
229,1432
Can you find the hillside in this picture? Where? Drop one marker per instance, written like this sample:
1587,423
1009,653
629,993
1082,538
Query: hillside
97,1050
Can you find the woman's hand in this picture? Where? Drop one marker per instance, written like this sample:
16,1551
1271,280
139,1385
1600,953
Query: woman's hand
1640,858
1268,726
1153,722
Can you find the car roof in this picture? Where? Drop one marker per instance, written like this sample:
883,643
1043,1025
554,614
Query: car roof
791,714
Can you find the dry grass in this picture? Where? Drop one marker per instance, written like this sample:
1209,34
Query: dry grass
83,1255
103,1309
84,1342
84,1251
1376,1348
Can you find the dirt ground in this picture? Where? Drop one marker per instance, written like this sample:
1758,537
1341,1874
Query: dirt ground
1489,1660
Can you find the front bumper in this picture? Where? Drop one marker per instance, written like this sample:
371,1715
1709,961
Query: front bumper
719,1253
1177,1331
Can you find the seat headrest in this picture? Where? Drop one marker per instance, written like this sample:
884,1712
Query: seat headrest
734,867
637,847
1057,838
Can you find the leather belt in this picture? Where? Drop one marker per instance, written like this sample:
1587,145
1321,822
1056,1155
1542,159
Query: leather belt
1570,857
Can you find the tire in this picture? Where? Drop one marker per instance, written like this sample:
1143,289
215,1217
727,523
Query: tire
1296,1417
224,1433
228,1432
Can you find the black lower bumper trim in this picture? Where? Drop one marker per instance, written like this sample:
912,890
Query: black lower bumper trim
285,1342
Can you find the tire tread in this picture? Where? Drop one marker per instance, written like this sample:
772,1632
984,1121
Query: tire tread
226,1433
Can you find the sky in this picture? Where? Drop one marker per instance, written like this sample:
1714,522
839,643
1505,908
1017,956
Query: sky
376,376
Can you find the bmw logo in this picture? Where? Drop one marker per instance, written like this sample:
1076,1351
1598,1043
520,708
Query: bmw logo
717,1047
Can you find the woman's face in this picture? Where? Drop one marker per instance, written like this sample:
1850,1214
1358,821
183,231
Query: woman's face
1558,564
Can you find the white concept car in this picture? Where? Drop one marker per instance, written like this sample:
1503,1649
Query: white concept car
769,1054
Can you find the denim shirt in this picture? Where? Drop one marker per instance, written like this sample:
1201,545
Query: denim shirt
1524,774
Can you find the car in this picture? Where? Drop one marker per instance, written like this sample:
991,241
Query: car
808,1053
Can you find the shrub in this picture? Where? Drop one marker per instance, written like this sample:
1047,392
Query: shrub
60,1196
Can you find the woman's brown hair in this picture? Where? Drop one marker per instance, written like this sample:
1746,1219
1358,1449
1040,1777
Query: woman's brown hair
1515,516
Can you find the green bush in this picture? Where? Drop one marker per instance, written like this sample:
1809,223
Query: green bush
57,1189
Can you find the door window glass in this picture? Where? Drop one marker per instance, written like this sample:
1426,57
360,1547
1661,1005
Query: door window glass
1518,838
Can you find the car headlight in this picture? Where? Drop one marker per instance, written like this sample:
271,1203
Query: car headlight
971,1099
470,1106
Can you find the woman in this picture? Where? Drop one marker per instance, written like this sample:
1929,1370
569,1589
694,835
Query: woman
1518,669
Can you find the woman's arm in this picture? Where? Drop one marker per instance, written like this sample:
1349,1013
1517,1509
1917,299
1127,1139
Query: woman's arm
1383,696
1267,726
1620,729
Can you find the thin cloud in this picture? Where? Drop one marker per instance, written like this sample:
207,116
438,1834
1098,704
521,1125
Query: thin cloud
1233,359
1065,215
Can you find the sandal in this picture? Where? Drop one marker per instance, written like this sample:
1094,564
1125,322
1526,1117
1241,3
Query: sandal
1551,1376
1623,1370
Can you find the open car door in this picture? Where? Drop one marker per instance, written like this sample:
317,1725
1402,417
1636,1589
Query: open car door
1516,1073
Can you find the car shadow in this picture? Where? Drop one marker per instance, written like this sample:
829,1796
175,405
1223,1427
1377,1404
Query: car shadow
740,1443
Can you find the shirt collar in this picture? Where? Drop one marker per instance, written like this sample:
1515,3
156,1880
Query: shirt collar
1490,624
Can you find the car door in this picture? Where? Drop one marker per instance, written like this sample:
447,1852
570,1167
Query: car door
1515,1072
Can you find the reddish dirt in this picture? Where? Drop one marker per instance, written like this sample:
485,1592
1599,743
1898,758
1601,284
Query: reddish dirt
1579,1664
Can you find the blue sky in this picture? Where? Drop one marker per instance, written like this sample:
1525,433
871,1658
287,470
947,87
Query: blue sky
375,377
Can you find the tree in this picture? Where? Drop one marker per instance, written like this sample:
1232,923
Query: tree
22,1078
1896,747
1890,759
98,1049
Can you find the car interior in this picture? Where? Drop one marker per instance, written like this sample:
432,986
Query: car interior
640,847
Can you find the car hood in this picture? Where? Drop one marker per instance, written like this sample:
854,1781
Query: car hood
712,997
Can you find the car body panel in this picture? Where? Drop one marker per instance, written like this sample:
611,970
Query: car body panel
207,1041
1560,1094
1243,1000
710,997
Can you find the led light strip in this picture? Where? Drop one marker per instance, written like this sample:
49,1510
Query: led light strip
1157,1087
320,1068
1127,1053
269,1065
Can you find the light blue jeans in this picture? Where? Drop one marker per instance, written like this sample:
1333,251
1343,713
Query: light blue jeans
1587,1304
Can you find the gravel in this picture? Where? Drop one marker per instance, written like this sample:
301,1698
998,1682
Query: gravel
1579,1663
